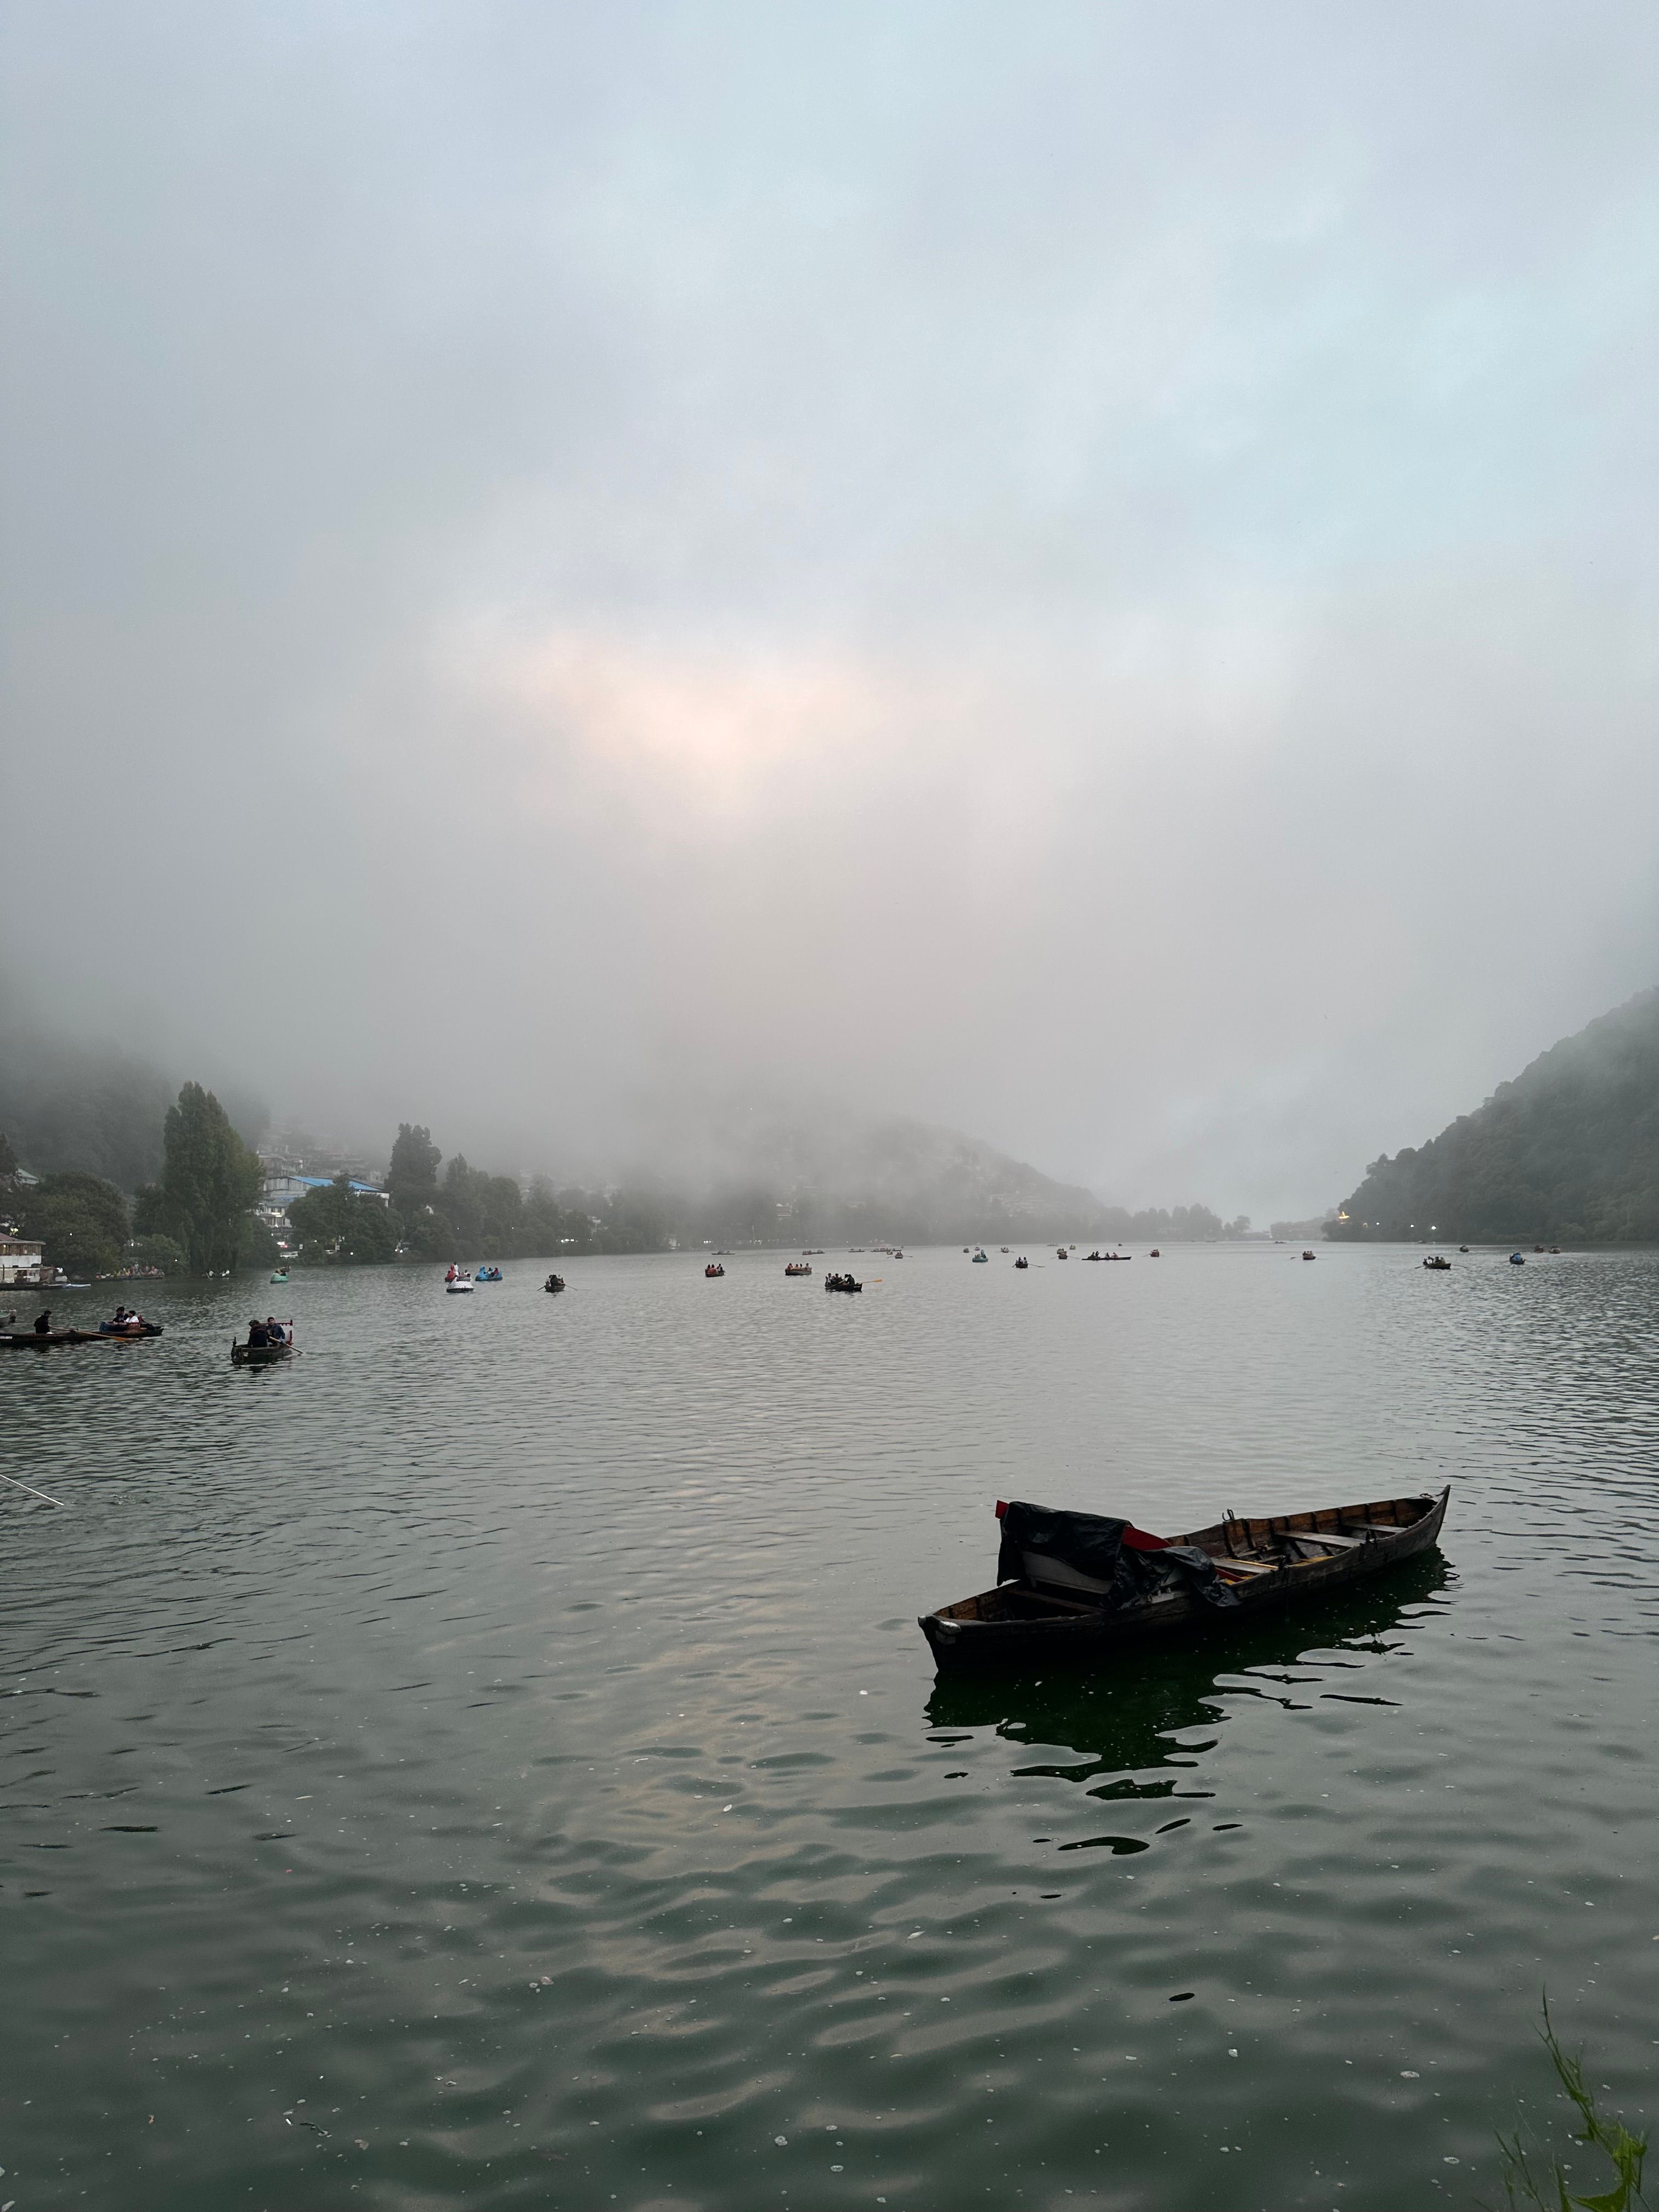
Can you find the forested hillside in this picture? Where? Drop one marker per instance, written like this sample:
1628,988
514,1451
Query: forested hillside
1566,1153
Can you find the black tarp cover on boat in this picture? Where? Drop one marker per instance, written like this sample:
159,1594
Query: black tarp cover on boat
1130,1562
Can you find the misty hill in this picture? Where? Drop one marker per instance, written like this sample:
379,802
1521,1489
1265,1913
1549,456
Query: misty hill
75,1108
1569,1151
820,1172
802,1175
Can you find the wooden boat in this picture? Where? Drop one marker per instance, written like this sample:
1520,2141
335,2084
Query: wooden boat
1022,1263
1154,1254
1437,1264
841,1282
554,1283
798,1268
1310,1255
713,1269
43,1340
261,1355
129,1328
1050,1610
1060,1253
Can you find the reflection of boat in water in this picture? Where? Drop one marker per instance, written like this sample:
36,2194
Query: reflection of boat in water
1072,1588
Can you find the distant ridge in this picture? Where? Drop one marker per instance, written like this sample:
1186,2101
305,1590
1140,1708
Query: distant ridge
788,1170
1567,1152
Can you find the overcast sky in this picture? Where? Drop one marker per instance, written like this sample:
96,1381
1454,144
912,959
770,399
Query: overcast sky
1086,573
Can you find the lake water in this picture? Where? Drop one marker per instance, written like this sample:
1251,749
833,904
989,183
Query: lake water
491,1760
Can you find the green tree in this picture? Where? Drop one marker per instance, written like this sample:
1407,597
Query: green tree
412,1177
157,1252
8,1163
81,1219
210,1183
341,1225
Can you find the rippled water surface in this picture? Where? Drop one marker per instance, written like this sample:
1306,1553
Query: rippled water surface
492,1759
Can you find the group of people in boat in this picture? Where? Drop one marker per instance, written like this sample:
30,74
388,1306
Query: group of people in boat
262,1335
126,1317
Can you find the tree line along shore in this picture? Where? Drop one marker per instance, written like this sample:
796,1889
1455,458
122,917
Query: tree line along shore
202,1214
1567,1153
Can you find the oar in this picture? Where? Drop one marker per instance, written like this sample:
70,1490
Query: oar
33,1492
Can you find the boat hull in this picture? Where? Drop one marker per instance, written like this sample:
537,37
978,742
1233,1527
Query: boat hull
20,1339
1016,1625
260,1355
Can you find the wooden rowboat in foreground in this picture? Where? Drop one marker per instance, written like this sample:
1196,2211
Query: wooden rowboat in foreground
1078,1587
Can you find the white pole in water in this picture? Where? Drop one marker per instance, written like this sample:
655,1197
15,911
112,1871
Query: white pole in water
33,1493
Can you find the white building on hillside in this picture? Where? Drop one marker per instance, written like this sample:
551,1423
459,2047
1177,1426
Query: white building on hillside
19,1259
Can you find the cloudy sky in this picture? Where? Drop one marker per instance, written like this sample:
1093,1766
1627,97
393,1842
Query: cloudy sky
1085,573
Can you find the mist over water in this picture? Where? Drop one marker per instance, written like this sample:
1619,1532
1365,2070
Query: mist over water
1086,580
